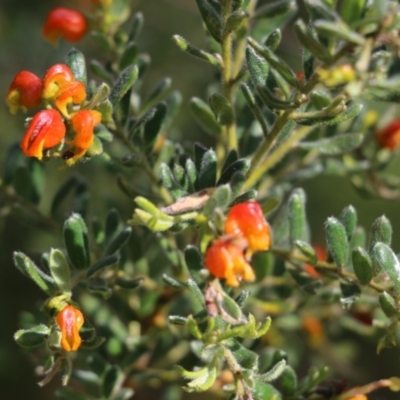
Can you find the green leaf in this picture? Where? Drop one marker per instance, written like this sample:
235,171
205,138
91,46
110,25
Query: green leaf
113,220
99,70
362,265
124,82
174,283
60,270
157,93
384,260
336,239
307,251
211,18
219,199
274,39
110,381
197,294
288,381
77,64
120,240
222,110
27,181
320,99
338,30
235,21
348,218
257,66
264,391
319,10
208,171
101,264
29,269
251,102
62,193
349,113
129,283
246,196
244,357
153,127
32,337
204,116
388,305
350,292
274,373
241,165
351,11
185,46
381,231
308,40
359,237
137,25
275,62
297,216
129,55
76,241
240,4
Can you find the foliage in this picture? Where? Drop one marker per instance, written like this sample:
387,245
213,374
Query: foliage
153,310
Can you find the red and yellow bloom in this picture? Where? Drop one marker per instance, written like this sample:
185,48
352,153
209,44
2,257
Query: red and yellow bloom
70,320
55,79
64,23
83,123
225,259
247,220
71,93
46,130
25,92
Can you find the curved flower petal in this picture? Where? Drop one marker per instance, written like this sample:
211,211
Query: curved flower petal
247,220
70,320
25,92
64,23
46,130
55,80
70,93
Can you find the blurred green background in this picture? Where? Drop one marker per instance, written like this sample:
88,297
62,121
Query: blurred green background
22,47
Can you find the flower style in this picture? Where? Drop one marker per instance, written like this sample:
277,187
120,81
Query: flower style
225,259
25,92
71,93
55,79
83,123
247,220
389,136
70,320
64,23
46,130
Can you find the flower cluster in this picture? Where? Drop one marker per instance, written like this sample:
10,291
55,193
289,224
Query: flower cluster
64,98
70,320
246,231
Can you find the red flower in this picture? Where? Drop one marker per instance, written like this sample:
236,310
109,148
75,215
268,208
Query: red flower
64,23
83,123
247,220
389,136
73,92
55,79
70,320
25,92
46,130
225,259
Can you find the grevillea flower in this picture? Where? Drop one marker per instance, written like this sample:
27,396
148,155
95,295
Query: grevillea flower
70,320
55,79
247,220
389,136
71,93
46,130
225,259
25,92
83,123
64,23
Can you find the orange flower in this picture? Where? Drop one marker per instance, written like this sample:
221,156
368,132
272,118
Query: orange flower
225,259
314,328
55,79
83,123
70,320
46,130
247,220
389,136
64,23
25,92
73,92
